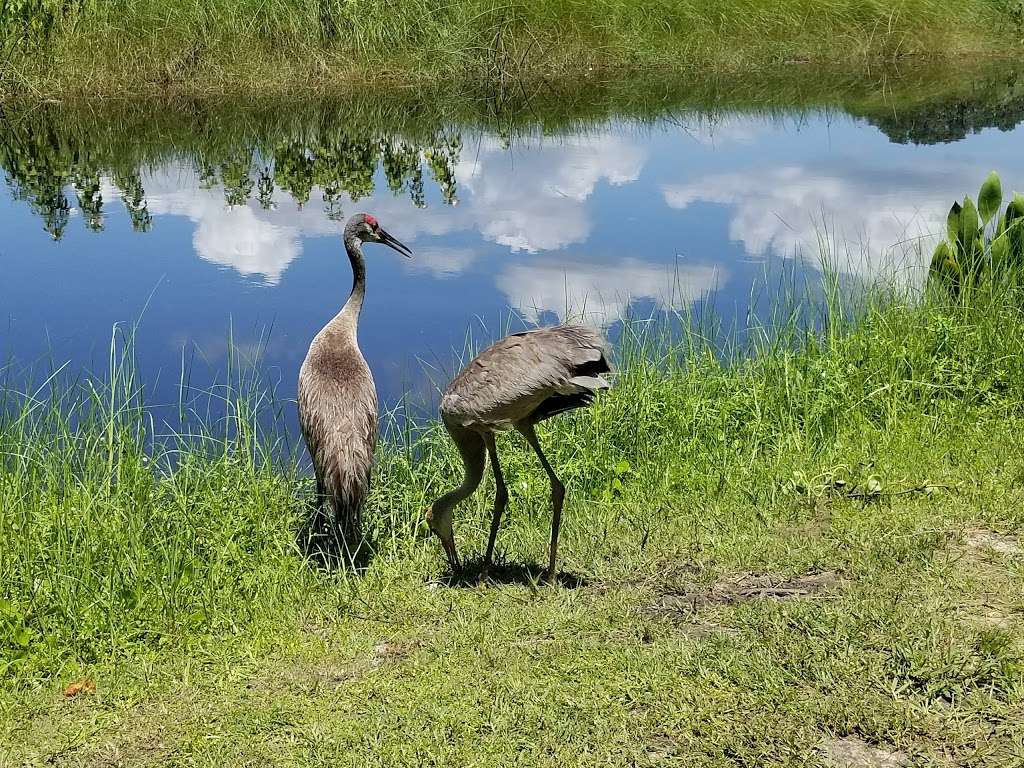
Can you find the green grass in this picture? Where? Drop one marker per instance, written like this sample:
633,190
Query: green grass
56,48
883,451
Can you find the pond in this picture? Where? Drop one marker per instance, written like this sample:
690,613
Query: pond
214,231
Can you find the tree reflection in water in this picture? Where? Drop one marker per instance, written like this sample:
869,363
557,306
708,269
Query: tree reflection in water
44,157
336,145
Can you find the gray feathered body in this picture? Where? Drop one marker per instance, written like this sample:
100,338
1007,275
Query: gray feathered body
527,377
516,382
338,414
338,405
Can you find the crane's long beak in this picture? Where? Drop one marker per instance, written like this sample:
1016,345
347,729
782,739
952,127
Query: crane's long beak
391,242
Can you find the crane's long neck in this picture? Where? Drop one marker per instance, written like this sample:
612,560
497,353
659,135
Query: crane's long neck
347,319
470,481
471,450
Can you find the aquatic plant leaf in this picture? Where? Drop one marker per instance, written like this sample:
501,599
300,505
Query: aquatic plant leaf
969,240
953,223
1014,238
1000,254
1013,229
941,256
944,267
990,197
1016,205
969,223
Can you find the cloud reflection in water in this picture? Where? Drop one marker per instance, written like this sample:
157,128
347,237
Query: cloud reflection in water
599,293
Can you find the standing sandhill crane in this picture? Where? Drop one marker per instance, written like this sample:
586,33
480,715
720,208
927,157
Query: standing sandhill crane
521,380
337,398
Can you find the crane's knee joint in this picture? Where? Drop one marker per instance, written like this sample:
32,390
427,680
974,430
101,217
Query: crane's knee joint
558,491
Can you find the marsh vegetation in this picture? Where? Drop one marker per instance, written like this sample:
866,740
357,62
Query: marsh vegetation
57,48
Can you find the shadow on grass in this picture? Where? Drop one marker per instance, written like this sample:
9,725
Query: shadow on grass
325,547
476,573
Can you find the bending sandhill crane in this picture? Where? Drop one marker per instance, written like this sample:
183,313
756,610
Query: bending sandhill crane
521,380
337,398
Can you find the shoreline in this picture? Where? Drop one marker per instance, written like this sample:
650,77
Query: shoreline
114,86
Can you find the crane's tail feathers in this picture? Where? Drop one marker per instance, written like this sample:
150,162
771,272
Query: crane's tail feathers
347,516
589,362
332,535
339,525
557,404
590,353
593,383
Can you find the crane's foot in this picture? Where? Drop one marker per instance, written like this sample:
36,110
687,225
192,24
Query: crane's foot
550,577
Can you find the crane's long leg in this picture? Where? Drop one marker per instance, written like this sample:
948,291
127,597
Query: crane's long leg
321,500
311,529
439,517
500,496
557,494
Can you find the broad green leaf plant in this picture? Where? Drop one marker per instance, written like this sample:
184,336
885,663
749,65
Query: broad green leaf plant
968,255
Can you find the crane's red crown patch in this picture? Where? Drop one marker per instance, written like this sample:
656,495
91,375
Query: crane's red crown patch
371,220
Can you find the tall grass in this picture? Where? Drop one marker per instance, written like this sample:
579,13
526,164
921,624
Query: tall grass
75,47
116,533
116,536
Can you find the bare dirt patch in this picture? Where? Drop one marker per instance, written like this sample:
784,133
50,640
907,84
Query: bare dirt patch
851,752
145,749
307,675
982,541
986,557
746,586
660,749
384,653
144,736
994,617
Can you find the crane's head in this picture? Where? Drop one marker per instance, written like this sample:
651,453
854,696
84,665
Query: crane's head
366,228
439,518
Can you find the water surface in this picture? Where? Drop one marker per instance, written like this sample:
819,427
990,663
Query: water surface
225,239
